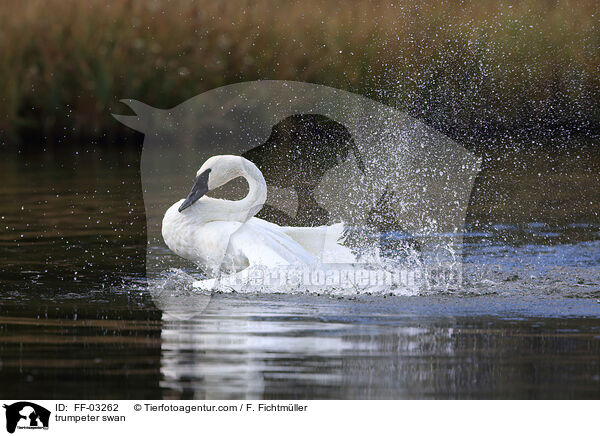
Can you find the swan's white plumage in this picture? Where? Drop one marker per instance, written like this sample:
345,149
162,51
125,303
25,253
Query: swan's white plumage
323,242
224,236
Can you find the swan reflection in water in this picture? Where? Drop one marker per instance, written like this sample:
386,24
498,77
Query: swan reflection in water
310,347
234,350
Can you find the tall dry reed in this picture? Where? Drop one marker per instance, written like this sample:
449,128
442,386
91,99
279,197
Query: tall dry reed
465,66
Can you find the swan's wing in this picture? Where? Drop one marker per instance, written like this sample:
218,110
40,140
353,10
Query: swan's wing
265,244
209,245
323,242
206,245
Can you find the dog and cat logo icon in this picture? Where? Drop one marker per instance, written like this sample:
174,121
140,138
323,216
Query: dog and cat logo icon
26,415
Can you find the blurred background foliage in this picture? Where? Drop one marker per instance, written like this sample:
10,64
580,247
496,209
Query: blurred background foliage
473,69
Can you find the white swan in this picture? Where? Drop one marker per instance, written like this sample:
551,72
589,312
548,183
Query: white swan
223,236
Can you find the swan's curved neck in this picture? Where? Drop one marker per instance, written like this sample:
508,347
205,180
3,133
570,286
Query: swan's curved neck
256,197
252,203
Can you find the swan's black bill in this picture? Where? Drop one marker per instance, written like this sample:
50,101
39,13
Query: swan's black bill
198,190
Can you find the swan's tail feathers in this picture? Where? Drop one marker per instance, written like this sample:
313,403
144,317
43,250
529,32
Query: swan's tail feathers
323,242
335,234
334,250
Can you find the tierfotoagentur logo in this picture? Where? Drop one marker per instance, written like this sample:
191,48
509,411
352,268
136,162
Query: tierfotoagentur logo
282,186
25,415
341,277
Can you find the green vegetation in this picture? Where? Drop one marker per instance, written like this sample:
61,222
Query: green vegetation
467,67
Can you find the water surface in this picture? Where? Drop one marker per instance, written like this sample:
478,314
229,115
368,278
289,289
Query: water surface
76,320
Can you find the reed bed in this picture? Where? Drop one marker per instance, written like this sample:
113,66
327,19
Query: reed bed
468,67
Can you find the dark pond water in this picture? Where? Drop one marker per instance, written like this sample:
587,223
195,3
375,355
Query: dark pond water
76,320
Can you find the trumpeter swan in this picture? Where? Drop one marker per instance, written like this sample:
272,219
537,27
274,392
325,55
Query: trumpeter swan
224,236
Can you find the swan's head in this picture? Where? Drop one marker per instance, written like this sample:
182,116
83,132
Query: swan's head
217,171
